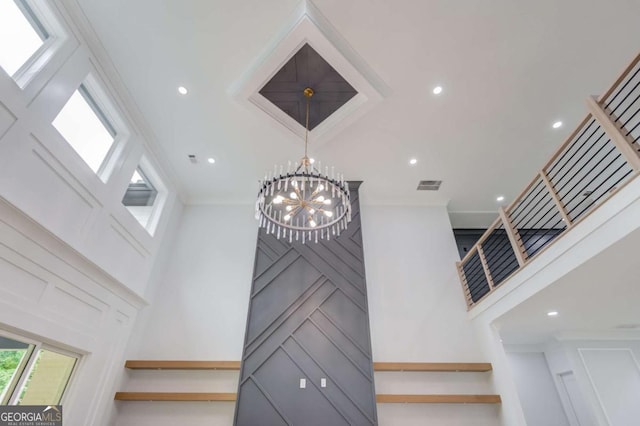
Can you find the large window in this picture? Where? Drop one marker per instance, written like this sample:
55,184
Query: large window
85,126
32,373
21,35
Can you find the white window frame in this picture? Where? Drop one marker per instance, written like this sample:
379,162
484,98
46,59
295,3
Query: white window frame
109,112
149,171
39,345
57,37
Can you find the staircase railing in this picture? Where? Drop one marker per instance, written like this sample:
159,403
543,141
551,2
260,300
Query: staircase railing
595,161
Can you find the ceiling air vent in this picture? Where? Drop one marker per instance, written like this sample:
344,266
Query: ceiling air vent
627,326
429,185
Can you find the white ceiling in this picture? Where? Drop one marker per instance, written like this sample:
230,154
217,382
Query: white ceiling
509,69
599,296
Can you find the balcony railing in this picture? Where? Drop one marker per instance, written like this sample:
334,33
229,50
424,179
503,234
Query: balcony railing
595,161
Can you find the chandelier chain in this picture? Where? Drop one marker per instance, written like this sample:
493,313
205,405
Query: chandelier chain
308,92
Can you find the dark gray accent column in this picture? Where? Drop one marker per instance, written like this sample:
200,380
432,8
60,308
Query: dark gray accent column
308,318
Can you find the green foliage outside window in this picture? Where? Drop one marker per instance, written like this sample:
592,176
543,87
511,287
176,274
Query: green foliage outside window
9,361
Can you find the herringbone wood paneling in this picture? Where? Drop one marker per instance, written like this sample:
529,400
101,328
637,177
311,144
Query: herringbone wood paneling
308,319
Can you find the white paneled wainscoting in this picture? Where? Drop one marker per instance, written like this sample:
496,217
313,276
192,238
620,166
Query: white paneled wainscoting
50,293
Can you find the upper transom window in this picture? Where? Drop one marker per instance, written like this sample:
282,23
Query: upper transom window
140,198
86,128
21,34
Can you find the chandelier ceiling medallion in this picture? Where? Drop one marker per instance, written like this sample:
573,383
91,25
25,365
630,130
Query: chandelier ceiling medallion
304,204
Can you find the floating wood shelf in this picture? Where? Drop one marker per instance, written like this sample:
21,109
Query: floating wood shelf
382,398
433,366
182,365
174,396
438,399
377,366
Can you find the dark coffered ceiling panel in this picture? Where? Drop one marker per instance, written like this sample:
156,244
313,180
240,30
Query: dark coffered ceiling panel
308,69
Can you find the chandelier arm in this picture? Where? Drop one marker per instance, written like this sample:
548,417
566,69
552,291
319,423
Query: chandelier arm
294,210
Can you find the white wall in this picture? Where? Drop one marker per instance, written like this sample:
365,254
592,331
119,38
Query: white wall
121,375
415,297
607,373
537,391
417,313
576,408
200,307
198,312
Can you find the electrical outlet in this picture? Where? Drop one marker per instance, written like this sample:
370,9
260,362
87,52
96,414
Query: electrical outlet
323,383
303,383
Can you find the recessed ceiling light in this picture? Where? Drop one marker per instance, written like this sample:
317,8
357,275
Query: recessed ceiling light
500,198
182,90
437,90
557,124
552,313
413,161
211,160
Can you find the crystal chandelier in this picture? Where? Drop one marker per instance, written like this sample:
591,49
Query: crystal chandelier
304,204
